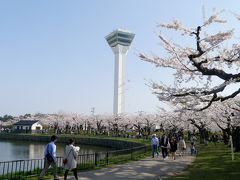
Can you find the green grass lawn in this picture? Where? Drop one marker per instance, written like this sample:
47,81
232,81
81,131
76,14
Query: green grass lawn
212,163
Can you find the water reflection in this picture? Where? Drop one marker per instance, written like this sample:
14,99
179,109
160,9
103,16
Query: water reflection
18,150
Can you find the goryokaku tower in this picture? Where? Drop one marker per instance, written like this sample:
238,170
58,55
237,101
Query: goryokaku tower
120,41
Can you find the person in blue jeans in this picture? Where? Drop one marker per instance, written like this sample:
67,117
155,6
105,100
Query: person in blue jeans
50,158
193,149
155,145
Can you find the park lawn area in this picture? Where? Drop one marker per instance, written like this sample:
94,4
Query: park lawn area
213,162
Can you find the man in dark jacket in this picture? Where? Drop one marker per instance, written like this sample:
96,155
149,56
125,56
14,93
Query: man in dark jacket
164,145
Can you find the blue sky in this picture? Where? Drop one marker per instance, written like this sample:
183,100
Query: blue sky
53,55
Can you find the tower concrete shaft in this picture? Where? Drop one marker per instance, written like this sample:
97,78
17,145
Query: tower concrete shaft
119,76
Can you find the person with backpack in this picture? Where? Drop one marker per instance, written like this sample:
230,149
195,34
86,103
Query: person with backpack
50,158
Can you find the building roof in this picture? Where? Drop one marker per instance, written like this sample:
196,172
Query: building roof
26,122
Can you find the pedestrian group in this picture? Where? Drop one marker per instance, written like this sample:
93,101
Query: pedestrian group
69,161
168,146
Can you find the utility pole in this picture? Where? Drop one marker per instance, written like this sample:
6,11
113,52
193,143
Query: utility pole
93,110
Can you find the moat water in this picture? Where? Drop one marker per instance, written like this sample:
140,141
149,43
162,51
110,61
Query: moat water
20,150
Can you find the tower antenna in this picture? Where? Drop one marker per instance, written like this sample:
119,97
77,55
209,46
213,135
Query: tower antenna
203,12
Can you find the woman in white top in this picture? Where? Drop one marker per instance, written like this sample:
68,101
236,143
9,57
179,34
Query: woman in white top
182,146
71,153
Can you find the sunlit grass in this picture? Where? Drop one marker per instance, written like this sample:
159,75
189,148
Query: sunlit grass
213,162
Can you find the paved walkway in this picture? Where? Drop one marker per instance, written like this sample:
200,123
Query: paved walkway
146,169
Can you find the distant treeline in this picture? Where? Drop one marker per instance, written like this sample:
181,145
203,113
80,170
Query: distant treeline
6,118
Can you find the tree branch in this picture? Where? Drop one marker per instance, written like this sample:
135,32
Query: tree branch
205,71
210,102
230,96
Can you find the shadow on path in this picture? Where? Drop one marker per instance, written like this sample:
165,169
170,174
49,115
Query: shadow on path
149,169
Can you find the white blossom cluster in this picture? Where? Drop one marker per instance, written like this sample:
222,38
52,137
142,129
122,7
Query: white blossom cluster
203,70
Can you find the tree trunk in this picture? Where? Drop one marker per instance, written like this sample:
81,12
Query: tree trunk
202,135
225,137
237,139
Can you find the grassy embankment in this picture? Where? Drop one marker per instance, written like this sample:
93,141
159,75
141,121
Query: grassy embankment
213,162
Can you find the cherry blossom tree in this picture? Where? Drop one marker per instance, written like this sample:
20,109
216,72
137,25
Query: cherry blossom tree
193,121
115,123
149,121
78,120
100,123
205,65
226,117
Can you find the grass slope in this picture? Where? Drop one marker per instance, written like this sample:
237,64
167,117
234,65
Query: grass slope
213,162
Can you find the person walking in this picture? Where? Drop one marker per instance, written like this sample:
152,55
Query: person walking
71,153
164,146
181,146
155,145
193,149
173,147
50,158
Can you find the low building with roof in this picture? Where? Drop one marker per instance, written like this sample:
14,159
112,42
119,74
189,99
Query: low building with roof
27,126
